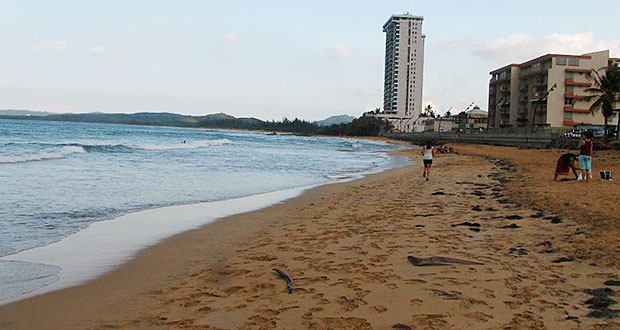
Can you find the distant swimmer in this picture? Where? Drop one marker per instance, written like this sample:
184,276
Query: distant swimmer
183,141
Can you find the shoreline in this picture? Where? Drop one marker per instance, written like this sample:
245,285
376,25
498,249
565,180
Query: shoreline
109,234
345,245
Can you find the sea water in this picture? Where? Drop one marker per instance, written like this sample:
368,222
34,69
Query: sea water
57,179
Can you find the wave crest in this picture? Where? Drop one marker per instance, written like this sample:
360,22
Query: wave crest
42,155
57,151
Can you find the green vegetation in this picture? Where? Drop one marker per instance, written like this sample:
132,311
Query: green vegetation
363,126
605,92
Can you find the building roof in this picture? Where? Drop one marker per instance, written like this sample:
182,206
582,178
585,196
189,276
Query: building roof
405,16
544,57
476,112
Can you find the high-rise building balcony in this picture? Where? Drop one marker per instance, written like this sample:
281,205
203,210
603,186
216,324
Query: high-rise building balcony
571,82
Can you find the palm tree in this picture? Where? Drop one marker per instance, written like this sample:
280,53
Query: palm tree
605,92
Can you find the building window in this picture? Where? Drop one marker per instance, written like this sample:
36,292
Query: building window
560,60
568,115
570,89
573,61
569,101
569,75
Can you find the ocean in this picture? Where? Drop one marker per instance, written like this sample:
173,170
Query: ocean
57,179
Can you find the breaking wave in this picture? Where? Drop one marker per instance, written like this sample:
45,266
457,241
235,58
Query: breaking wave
57,151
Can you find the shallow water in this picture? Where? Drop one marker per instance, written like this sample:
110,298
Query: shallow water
58,178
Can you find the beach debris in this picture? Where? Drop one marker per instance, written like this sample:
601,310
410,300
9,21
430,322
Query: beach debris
572,318
510,226
476,208
519,250
562,259
399,326
284,276
612,283
600,302
514,217
440,261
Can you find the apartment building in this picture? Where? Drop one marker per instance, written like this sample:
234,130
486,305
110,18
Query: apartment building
516,91
404,69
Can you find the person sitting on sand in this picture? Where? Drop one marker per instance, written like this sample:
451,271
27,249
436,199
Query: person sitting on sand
565,162
427,157
585,156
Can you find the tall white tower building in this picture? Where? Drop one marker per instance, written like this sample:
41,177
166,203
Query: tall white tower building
404,69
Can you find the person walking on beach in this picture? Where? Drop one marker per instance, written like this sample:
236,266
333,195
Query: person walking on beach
427,157
565,163
585,156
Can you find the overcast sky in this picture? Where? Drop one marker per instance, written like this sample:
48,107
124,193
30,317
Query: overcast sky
270,59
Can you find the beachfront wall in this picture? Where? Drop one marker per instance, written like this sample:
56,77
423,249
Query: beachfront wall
518,138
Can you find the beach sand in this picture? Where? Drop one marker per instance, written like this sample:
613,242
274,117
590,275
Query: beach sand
346,248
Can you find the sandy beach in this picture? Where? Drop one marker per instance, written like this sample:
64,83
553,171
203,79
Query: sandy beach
531,249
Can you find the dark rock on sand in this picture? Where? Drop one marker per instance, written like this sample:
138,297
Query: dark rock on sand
510,226
604,313
545,243
401,327
554,219
612,283
491,209
436,193
599,292
514,217
599,302
476,208
467,223
563,259
537,215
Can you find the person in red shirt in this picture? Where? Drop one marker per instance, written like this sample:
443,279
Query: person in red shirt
585,156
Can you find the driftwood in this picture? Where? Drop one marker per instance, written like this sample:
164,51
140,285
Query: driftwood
284,276
440,261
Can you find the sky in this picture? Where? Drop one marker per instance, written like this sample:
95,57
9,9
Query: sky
271,59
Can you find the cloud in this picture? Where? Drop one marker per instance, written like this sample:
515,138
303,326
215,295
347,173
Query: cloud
520,47
117,55
339,51
229,38
97,50
55,45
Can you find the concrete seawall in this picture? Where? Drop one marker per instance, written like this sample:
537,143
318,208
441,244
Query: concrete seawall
541,140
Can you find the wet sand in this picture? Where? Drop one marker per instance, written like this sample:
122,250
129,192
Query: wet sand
346,248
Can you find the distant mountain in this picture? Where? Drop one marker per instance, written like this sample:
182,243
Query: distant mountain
336,120
218,120
23,113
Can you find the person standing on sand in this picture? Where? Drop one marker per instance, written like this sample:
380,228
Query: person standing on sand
427,157
585,156
565,162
